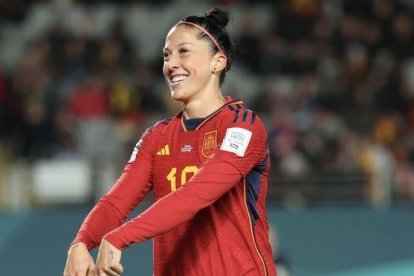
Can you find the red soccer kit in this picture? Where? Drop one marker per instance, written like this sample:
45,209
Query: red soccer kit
210,187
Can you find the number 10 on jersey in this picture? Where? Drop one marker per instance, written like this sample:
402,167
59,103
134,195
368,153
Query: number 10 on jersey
172,176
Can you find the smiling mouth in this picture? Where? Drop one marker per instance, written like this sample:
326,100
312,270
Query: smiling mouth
176,80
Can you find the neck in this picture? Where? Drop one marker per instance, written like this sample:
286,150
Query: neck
202,107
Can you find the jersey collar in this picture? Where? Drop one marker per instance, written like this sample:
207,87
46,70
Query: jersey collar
229,101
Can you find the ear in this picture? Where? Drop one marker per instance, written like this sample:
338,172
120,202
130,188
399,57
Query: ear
219,62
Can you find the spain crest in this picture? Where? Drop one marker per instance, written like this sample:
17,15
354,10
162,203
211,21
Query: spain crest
209,143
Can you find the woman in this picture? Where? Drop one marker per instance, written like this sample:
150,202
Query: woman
208,169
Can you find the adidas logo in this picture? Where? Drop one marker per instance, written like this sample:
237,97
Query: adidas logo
164,151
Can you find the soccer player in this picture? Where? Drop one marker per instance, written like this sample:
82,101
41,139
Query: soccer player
208,167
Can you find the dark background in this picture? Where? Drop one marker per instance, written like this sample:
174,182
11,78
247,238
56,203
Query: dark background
332,80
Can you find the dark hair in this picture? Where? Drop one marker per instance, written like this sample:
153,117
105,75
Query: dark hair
215,22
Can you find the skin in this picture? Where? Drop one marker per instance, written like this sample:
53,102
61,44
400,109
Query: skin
79,262
108,262
184,54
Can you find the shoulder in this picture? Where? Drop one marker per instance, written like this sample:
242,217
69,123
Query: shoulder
243,132
237,114
160,125
158,128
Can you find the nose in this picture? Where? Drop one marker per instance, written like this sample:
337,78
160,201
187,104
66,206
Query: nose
173,62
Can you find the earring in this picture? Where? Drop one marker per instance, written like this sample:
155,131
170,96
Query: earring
214,70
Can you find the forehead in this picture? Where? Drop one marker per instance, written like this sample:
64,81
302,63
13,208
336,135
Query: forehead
181,34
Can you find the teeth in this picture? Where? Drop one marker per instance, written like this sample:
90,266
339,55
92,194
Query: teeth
178,79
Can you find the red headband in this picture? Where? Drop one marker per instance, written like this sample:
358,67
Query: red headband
207,33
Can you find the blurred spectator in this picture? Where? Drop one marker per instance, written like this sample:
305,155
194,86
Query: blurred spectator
248,44
36,131
402,34
272,57
90,99
295,18
14,11
64,143
378,165
3,95
332,79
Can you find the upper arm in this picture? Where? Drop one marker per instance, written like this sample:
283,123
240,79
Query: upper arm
245,142
136,178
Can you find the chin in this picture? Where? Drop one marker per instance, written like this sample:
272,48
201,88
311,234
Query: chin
179,95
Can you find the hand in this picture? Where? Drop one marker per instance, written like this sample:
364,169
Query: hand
79,261
108,260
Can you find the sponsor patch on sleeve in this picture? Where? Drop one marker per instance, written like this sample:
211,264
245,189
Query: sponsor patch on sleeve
236,140
135,152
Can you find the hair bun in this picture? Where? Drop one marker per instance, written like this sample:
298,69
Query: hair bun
218,16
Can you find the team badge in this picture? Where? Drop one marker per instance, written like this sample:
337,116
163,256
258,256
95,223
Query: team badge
209,143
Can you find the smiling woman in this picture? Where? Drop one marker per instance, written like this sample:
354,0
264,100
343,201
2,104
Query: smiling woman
194,61
208,167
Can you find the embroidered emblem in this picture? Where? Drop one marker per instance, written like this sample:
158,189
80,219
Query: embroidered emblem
209,143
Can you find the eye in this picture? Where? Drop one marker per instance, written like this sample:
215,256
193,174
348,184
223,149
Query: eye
183,50
166,56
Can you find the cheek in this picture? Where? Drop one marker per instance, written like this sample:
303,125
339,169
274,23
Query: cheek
188,63
198,65
165,70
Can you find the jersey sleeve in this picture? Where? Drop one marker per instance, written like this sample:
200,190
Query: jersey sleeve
211,181
132,186
228,165
244,144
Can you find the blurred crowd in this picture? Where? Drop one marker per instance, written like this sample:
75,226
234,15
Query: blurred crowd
334,85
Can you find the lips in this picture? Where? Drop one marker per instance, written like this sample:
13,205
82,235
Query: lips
178,79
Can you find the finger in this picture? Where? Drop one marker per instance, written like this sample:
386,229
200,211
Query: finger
110,272
92,271
117,267
101,272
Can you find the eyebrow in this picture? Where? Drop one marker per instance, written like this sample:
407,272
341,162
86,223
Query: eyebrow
181,44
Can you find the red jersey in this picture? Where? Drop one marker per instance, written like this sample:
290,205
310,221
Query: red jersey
210,186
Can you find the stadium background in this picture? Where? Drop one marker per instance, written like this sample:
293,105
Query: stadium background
332,80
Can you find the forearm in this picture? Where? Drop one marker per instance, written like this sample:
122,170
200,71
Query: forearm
101,220
209,184
112,209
